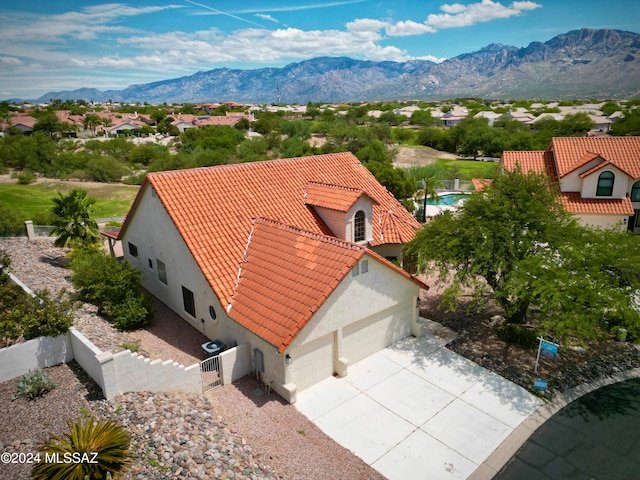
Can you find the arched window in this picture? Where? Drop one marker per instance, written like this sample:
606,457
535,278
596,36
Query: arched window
635,192
605,184
359,227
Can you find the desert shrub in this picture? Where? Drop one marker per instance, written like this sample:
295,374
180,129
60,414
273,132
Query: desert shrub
136,179
131,313
33,385
42,315
10,222
24,178
112,285
518,335
5,263
106,438
105,169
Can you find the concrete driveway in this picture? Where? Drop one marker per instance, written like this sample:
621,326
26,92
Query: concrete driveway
416,410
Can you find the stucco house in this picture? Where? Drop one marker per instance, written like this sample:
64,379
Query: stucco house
294,257
599,177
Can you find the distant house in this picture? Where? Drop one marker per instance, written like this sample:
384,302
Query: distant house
24,123
129,125
184,121
599,177
454,116
296,257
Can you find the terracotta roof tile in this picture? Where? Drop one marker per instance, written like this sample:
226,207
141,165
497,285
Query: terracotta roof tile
540,161
480,183
286,274
574,203
214,208
571,153
333,197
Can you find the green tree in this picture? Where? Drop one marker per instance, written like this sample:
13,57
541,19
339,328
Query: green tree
491,236
422,117
91,122
584,287
394,179
48,123
629,125
75,223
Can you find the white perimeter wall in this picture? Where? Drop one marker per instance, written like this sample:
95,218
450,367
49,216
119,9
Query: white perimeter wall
35,354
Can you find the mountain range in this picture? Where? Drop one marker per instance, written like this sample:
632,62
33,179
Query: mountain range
580,64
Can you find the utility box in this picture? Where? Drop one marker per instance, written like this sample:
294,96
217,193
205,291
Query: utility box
212,348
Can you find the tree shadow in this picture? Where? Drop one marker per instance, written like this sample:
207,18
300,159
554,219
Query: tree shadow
619,399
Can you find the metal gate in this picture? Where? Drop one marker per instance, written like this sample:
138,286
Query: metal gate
210,373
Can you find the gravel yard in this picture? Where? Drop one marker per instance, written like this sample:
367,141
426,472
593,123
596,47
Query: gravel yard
235,431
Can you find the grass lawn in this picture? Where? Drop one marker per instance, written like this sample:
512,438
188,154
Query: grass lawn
27,201
446,169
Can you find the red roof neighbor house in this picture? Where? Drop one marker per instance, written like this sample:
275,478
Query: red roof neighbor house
599,177
293,257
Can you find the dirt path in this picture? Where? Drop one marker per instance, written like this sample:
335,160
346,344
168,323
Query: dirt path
415,156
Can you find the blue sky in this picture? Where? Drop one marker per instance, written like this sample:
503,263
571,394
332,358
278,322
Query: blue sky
52,45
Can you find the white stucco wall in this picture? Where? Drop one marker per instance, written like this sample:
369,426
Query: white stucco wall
156,238
604,221
359,297
620,184
38,353
342,223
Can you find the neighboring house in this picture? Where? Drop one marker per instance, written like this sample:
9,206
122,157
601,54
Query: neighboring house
184,121
490,115
454,116
599,177
293,257
24,123
131,126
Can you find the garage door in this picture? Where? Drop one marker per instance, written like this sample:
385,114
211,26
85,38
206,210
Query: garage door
371,335
312,362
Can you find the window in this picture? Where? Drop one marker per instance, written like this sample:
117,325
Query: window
359,227
355,271
605,184
162,271
635,192
189,301
364,266
150,263
133,250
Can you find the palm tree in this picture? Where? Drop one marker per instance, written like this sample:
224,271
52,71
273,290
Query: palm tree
75,223
430,185
91,122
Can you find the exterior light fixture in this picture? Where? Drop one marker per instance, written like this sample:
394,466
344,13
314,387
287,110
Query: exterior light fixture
288,360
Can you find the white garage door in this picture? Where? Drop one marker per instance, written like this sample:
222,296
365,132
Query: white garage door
371,335
312,362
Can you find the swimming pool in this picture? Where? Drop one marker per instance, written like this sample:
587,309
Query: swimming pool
448,199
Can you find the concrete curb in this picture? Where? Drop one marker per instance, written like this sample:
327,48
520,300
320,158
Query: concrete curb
516,439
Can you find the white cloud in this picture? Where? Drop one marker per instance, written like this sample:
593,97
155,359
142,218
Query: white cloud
457,15
409,27
10,61
267,17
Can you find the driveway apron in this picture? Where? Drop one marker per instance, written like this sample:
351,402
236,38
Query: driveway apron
417,410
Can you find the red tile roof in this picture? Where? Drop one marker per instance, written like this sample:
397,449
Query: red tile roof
573,202
214,210
539,161
480,183
571,153
285,276
333,197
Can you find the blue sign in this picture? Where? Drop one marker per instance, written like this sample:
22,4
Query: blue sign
548,349
540,384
